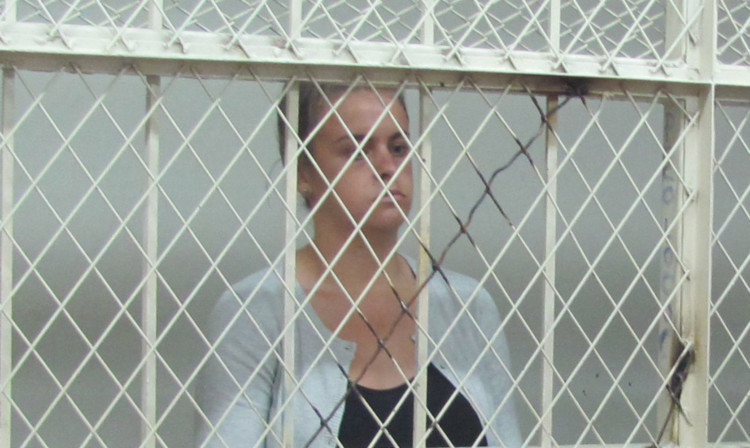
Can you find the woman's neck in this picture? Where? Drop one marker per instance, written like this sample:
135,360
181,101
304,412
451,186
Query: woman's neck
357,259
351,263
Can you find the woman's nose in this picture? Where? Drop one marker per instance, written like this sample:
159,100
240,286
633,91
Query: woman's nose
383,161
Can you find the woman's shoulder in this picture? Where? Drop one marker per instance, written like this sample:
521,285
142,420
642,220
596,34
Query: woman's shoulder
461,286
260,294
263,281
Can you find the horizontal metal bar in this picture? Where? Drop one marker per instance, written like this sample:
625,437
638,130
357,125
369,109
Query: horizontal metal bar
29,46
40,45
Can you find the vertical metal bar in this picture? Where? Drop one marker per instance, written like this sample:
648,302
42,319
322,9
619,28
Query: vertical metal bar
290,259
428,25
674,24
155,18
425,263
548,316
6,247
295,19
555,14
290,254
699,151
671,201
149,310
150,291
694,318
426,111
701,51
548,350
6,257
290,223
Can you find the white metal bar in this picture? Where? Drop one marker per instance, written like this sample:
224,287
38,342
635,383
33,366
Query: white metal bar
428,25
426,112
674,24
6,244
290,257
290,222
150,291
672,199
6,257
295,21
554,26
698,158
149,310
694,319
30,45
155,17
697,252
548,347
702,53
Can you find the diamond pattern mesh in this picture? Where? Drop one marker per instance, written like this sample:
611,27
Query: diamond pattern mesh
733,34
618,29
730,328
134,197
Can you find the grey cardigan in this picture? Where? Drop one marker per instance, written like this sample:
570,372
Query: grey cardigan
240,392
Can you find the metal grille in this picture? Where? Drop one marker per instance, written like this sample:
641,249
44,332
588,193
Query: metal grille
585,161
729,331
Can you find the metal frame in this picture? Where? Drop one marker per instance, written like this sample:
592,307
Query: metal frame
6,257
689,69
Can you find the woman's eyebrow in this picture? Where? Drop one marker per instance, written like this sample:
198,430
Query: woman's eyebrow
398,134
359,138
346,137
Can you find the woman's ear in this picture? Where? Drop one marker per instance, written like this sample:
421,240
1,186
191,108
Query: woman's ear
303,189
304,178
305,186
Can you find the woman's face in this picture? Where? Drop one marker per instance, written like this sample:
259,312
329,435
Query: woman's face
361,186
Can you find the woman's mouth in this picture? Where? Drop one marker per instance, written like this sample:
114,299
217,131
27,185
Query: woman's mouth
393,195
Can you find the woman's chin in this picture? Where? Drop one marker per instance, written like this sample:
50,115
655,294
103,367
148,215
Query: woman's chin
386,220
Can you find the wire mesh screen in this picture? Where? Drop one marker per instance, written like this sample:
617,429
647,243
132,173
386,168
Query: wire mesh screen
590,27
729,328
564,157
732,32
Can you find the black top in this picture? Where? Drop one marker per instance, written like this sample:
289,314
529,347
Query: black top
460,423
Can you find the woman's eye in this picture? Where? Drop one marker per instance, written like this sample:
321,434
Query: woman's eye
400,150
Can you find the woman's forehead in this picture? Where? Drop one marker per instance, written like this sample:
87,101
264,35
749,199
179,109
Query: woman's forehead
338,97
365,109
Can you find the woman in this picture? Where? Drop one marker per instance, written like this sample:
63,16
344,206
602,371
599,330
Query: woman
357,179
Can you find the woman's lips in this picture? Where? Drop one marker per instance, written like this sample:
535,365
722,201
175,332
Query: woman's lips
393,195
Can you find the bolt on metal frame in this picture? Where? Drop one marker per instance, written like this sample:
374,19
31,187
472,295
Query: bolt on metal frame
690,67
